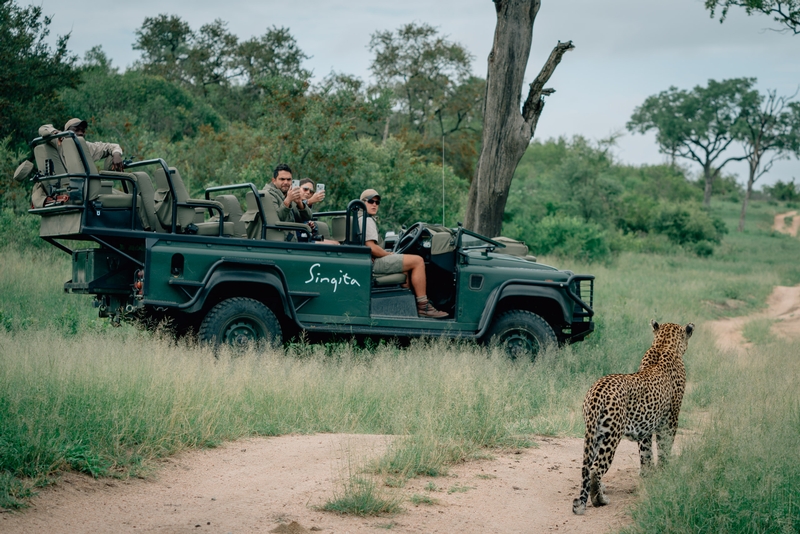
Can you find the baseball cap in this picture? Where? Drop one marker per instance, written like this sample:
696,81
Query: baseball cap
369,194
75,122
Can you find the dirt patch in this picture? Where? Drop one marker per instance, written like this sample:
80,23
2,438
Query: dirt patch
781,220
783,307
277,485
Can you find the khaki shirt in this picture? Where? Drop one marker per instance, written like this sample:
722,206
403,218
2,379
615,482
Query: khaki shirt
100,150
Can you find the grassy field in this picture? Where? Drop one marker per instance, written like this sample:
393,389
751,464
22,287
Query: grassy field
78,394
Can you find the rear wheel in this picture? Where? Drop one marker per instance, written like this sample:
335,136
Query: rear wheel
523,334
240,321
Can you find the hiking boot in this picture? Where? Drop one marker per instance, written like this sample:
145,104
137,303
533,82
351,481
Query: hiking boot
424,309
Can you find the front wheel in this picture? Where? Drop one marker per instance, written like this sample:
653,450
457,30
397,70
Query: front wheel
521,333
240,321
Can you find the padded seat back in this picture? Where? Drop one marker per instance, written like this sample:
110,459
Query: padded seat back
233,213
322,228
145,202
252,218
49,151
512,247
163,200
338,230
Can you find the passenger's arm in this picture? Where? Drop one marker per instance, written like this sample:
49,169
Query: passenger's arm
378,251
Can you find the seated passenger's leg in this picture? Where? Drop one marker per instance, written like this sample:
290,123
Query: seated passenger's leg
416,266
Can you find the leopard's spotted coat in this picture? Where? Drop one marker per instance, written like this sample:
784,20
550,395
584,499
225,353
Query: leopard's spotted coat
635,406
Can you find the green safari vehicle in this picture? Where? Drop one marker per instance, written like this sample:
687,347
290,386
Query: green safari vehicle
225,268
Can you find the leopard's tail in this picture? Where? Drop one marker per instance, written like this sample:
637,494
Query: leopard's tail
591,444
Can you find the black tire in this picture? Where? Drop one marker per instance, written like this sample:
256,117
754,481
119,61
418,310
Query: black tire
240,321
523,334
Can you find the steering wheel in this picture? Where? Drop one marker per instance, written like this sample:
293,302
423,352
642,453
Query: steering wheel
409,238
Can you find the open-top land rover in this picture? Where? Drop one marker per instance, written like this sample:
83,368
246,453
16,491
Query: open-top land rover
234,273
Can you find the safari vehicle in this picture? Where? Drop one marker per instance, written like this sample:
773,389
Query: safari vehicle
236,276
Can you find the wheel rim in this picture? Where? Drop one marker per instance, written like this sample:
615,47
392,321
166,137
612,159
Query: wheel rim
520,343
242,331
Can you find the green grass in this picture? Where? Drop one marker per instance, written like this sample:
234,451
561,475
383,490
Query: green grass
758,331
418,499
741,474
78,394
360,494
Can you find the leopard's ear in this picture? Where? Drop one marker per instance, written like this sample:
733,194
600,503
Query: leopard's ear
654,324
689,330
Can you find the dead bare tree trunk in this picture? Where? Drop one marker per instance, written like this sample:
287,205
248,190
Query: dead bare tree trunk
506,131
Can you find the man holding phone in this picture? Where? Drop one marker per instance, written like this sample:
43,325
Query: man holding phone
285,198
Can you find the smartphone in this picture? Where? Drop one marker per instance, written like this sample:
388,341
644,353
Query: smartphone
320,187
295,184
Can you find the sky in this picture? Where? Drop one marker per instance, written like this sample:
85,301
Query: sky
625,50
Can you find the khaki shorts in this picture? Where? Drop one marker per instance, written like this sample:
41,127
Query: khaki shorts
388,265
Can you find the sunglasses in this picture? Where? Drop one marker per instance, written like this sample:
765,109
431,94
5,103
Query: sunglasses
373,201
308,189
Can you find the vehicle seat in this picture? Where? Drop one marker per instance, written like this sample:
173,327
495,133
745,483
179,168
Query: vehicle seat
252,220
96,190
513,248
185,210
145,203
338,230
233,213
49,151
389,279
47,159
322,228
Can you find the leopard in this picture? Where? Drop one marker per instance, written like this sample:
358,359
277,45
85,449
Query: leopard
635,406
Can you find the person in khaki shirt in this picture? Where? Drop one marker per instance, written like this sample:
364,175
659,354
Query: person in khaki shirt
97,150
387,262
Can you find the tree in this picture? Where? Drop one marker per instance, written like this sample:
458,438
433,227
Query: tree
430,81
213,56
770,125
165,42
507,132
697,125
784,12
31,72
273,54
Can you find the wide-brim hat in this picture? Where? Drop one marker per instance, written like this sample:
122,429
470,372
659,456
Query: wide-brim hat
369,194
76,122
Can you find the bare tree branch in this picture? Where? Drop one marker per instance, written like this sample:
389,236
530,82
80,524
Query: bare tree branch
534,103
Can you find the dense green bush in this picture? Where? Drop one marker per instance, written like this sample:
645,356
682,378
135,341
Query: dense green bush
561,184
685,223
783,191
569,236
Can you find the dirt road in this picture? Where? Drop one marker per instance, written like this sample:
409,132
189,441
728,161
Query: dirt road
276,485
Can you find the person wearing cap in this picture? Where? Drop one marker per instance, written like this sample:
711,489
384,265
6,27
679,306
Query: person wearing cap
387,262
97,150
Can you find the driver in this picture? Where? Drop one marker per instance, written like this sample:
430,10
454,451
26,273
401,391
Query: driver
386,262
